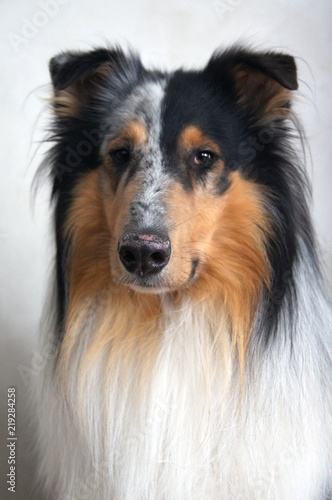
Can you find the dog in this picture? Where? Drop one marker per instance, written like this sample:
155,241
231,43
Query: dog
190,322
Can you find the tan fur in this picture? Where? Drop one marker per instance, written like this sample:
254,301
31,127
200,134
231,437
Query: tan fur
134,134
227,235
127,321
89,269
192,137
66,103
263,94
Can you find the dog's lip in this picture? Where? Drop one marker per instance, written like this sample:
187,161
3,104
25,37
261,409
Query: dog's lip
149,289
162,287
147,284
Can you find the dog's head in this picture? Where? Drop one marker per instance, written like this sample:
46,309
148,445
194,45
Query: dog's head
172,182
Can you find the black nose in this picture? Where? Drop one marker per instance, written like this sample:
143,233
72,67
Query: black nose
144,254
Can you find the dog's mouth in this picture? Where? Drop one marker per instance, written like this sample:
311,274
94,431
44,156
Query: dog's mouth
145,259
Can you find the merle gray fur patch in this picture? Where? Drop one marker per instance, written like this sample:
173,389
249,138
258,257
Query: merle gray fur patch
144,105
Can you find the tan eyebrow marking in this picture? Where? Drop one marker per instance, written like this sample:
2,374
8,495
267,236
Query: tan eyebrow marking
192,137
134,133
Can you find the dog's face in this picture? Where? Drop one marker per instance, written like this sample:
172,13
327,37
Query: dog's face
165,172
167,192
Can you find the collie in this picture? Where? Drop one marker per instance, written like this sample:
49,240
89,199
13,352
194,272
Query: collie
192,330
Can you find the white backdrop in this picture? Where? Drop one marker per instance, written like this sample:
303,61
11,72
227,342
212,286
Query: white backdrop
167,34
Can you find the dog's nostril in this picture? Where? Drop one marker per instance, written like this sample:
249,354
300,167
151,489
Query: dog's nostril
127,256
144,254
158,257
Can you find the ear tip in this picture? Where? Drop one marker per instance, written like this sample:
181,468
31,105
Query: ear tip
55,66
67,66
288,67
278,65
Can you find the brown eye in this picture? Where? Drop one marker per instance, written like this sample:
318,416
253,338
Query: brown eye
204,158
120,156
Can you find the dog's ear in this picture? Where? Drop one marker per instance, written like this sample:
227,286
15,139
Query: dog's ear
263,81
76,76
70,67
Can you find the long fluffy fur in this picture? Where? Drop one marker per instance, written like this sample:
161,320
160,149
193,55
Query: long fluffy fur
220,386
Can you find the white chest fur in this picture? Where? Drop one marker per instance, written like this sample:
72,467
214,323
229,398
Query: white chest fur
190,432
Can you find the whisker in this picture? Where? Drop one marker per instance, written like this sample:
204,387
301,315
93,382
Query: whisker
185,220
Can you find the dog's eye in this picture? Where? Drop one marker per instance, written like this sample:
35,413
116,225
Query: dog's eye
120,156
204,158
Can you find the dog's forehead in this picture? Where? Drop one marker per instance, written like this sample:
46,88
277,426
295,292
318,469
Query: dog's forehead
164,105
143,105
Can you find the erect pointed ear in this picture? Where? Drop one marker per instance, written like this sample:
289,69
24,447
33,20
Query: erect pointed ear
263,81
76,76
